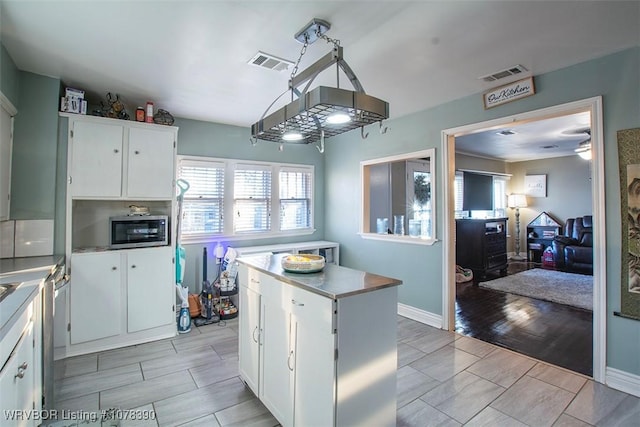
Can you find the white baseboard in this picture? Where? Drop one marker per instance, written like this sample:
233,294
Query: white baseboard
623,381
421,316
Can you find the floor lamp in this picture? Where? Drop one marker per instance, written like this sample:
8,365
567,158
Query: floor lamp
517,201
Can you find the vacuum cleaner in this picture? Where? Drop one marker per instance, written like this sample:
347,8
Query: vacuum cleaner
208,312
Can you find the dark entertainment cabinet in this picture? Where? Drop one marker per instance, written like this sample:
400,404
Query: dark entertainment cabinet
481,245
540,234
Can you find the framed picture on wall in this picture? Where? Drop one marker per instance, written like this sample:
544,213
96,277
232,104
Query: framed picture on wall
535,185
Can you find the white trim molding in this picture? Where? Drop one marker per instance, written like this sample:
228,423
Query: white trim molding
594,106
421,316
623,381
7,105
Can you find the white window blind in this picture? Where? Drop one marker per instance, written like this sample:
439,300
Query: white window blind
295,199
458,192
203,203
499,193
252,198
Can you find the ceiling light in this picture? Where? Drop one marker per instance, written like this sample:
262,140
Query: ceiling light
320,112
338,118
292,136
584,149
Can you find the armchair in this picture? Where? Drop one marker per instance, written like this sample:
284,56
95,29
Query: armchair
573,250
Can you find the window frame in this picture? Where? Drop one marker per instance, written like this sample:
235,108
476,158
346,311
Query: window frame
230,165
365,206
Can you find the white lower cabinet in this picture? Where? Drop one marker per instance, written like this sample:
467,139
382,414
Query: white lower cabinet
250,336
96,296
20,377
150,289
115,295
289,353
17,381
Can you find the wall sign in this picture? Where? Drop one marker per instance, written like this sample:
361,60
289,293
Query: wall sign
507,93
535,185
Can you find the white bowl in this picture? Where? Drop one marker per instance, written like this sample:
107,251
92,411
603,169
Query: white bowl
303,263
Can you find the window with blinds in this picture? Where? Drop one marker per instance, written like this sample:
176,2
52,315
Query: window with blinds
251,199
295,199
203,203
500,195
458,194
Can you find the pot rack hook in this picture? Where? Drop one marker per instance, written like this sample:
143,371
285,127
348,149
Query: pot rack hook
321,146
384,129
362,134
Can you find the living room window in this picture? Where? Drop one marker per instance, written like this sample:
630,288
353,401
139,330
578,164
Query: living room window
499,196
238,199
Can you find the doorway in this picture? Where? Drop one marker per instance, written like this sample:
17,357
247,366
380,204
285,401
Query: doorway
594,107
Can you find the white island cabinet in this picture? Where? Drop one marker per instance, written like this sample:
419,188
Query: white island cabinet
319,349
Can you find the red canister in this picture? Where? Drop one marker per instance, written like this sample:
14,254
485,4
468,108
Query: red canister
140,114
149,118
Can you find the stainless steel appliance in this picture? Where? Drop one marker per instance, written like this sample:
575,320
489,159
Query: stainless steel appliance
137,231
54,282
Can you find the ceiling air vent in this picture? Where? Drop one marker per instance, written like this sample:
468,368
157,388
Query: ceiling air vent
517,69
265,60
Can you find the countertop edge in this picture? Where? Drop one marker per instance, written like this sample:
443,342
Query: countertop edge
6,327
290,281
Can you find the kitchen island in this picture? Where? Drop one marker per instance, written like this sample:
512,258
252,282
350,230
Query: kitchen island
320,348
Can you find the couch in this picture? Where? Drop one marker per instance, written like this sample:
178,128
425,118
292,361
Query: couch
573,249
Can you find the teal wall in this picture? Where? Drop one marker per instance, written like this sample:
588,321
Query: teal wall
9,77
35,137
615,77
198,138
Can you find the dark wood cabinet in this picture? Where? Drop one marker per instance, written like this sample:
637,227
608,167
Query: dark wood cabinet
481,245
540,234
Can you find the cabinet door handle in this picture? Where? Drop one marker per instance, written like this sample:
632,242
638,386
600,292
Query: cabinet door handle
299,304
21,370
115,150
289,361
136,152
133,266
114,268
254,335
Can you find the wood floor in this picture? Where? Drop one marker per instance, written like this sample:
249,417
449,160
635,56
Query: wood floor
558,334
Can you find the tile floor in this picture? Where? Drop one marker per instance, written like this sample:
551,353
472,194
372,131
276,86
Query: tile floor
443,379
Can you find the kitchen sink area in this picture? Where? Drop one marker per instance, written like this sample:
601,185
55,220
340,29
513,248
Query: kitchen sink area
7,289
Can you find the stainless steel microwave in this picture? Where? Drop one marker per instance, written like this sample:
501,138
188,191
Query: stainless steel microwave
138,231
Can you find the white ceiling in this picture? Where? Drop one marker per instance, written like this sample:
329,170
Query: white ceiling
190,57
542,139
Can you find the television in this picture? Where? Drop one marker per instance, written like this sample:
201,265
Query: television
477,190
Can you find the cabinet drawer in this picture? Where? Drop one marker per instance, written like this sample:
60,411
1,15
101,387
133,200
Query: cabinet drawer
496,261
306,304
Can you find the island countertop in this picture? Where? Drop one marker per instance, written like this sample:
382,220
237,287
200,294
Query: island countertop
332,282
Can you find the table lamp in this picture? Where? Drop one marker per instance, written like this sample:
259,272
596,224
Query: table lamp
517,201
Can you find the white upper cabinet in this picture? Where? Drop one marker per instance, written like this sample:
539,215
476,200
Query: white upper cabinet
96,159
121,159
151,159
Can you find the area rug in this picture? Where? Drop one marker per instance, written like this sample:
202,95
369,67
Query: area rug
549,285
